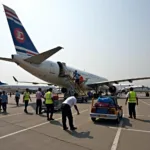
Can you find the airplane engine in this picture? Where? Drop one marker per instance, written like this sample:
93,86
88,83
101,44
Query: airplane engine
112,89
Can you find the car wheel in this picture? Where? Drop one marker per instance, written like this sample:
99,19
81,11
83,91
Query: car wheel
93,119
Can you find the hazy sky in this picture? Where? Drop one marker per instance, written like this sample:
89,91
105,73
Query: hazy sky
110,38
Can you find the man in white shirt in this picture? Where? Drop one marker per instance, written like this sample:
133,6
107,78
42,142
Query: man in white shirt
66,111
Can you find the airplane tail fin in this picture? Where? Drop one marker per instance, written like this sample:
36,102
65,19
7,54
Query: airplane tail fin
1,83
21,39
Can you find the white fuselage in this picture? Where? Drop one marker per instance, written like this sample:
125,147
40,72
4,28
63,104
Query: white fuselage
49,72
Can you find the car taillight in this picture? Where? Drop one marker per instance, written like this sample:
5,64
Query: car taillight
93,110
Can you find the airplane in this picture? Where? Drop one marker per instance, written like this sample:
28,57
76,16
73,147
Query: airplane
1,83
57,73
21,88
137,88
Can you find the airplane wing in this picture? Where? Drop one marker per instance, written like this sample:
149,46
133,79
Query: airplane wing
30,82
92,84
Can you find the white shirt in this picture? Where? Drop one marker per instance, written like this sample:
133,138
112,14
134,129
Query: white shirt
71,101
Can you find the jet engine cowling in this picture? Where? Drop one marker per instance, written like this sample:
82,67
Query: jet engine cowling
112,89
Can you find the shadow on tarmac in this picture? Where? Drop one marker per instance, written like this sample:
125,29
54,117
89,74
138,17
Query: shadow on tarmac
80,134
126,123
74,133
113,123
33,105
2,113
30,113
143,120
106,123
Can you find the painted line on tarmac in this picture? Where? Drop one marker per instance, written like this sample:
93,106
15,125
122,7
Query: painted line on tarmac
145,102
116,139
134,130
32,127
5,116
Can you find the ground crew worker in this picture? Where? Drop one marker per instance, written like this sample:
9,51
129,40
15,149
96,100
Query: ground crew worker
66,111
4,101
26,98
17,97
49,104
76,77
39,97
132,101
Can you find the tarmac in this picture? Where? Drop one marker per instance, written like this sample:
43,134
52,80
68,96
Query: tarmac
33,132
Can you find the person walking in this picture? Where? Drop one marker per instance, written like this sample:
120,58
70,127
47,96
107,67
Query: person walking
39,97
66,111
26,98
17,97
132,100
4,101
49,104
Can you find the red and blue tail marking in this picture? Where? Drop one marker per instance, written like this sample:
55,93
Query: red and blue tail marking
22,42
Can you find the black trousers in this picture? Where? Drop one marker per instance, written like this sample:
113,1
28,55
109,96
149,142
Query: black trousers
26,102
4,105
38,106
0,104
66,112
50,109
17,101
132,111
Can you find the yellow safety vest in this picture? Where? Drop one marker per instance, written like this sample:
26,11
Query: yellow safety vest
26,96
48,98
132,97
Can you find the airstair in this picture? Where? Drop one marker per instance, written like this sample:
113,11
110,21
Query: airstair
65,73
